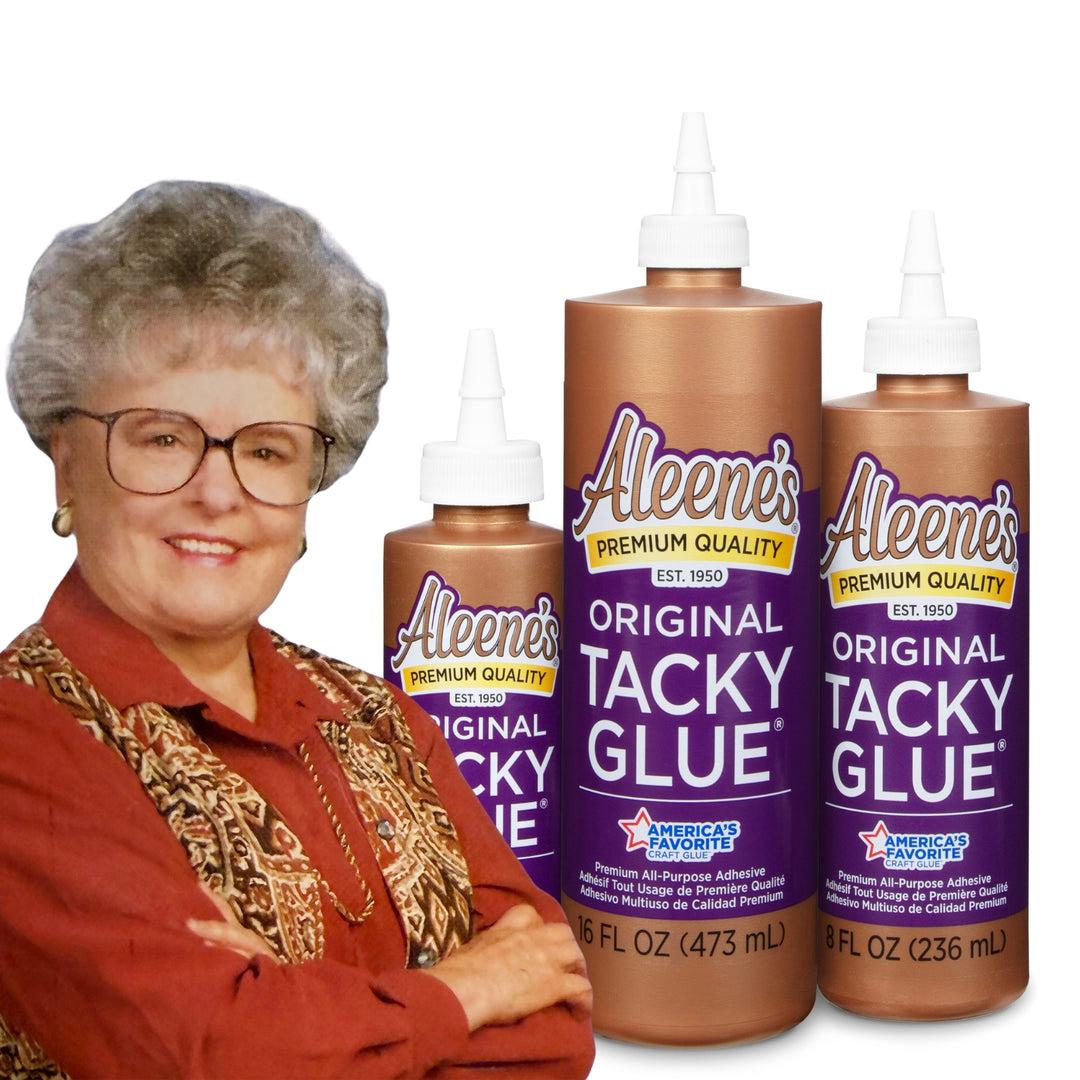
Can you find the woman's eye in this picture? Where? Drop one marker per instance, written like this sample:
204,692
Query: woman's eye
156,440
273,448
148,431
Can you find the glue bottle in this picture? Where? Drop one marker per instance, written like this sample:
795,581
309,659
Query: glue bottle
693,408
472,602
924,573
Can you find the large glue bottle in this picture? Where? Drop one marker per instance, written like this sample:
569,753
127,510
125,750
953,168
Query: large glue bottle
472,603
693,408
924,574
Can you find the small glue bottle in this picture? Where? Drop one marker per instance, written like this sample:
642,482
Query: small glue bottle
924,575
472,620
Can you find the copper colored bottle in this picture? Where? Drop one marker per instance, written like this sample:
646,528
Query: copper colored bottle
923,889
472,603
692,473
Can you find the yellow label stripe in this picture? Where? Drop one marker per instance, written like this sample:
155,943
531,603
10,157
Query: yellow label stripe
651,545
457,675
989,585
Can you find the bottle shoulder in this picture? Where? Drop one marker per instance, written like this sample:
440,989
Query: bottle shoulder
476,532
665,296
921,402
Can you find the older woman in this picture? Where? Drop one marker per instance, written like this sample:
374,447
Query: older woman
222,853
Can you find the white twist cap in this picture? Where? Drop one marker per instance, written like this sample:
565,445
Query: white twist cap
922,340
694,235
481,467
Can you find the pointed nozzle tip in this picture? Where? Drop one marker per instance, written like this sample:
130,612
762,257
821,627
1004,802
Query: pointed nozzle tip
481,377
922,254
693,155
922,339
481,467
693,234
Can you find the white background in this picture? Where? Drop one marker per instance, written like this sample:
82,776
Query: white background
485,161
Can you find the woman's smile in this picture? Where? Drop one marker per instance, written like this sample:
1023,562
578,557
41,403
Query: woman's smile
204,547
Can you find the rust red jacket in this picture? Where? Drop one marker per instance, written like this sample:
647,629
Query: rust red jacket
97,963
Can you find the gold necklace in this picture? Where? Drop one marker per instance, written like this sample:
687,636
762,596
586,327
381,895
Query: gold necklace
343,840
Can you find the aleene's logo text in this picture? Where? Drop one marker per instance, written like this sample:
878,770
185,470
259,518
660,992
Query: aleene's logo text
882,544
447,645
636,482
687,518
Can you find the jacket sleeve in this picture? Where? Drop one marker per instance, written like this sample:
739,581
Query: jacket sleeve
97,963
551,1044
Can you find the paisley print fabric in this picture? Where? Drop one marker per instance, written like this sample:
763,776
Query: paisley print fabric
22,1059
418,851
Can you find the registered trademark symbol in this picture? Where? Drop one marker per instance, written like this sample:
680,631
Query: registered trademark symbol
543,804
1001,744
795,527
778,724
1015,567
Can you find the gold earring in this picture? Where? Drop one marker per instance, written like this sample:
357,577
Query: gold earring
63,518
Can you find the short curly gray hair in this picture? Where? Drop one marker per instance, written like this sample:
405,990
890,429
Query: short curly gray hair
191,250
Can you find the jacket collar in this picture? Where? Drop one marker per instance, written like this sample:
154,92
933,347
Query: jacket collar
127,668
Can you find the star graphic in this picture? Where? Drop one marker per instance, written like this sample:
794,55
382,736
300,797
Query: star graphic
637,830
875,841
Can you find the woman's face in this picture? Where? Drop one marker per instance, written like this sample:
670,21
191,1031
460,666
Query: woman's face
202,563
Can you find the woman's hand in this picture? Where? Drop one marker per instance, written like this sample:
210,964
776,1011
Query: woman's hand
228,933
516,967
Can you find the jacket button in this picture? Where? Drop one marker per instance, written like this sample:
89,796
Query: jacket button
385,829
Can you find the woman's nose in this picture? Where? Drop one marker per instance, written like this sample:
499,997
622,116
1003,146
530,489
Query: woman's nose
214,483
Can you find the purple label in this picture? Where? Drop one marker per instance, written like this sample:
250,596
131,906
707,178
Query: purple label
490,679
689,721
924,707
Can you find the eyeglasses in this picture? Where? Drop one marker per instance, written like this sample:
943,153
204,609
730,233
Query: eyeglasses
155,452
